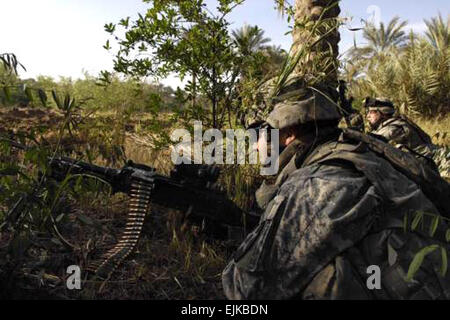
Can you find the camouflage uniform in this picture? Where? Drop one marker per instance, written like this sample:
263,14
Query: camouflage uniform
401,131
335,209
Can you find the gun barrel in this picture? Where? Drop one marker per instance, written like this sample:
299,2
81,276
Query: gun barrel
61,166
66,165
84,166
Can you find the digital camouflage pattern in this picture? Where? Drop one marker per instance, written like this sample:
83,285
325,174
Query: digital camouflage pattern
334,210
403,132
406,135
294,112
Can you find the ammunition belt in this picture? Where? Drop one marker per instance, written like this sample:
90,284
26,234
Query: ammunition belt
137,209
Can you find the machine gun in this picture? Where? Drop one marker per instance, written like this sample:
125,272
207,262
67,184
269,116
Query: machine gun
189,187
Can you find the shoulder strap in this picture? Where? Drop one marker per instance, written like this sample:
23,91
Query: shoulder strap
430,182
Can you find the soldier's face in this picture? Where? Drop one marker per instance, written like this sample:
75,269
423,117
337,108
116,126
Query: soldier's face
285,137
373,117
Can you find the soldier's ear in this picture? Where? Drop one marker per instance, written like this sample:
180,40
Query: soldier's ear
291,131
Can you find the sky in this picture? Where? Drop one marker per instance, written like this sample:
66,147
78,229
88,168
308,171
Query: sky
65,37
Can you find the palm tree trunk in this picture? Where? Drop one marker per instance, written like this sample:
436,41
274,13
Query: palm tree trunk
312,10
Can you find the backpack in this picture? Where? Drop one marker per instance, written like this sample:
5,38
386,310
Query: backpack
430,182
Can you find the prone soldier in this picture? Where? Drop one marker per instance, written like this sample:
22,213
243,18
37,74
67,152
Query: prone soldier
397,129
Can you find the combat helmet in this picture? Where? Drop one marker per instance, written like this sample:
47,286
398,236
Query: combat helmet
382,105
296,103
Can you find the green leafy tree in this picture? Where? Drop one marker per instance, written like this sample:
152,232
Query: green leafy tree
183,38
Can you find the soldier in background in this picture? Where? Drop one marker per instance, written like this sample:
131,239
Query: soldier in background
336,208
397,129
